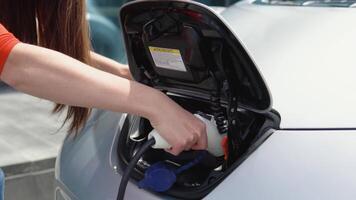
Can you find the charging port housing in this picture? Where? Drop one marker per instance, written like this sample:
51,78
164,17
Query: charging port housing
187,51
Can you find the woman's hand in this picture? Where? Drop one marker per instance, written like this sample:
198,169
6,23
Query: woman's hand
181,129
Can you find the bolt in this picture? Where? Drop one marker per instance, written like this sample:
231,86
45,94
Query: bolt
115,169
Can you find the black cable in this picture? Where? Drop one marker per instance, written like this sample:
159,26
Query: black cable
218,113
126,175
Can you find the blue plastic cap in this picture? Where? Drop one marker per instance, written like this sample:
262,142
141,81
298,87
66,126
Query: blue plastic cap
158,178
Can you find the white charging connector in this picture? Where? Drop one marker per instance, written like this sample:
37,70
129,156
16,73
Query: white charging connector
214,138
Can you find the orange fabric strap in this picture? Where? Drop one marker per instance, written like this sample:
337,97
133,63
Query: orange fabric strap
7,42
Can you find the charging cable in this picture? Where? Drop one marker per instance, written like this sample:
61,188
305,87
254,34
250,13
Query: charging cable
126,175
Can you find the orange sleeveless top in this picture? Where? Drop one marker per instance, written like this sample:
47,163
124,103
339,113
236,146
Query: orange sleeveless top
7,42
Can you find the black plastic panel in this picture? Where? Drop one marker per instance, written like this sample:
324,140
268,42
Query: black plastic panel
213,58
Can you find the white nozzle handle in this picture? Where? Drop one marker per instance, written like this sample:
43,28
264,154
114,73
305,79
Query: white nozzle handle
214,138
161,143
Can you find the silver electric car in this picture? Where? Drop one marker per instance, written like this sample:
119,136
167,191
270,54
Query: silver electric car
229,67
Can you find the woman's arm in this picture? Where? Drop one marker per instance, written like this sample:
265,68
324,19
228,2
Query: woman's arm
111,66
51,75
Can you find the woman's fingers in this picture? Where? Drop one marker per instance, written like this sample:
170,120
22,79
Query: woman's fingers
183,144
173,151
181,129
196,140
202,142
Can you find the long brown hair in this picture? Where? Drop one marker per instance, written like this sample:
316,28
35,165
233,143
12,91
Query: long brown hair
57,24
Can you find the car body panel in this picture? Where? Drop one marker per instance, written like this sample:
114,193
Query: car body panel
85,168
294,165
306,55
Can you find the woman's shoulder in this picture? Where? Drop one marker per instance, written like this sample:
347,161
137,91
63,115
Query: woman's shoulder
7,42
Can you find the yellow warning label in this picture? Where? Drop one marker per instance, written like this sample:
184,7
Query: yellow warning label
167,58
164,50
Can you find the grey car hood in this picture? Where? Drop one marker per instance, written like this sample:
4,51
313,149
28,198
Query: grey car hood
306,55
295,165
